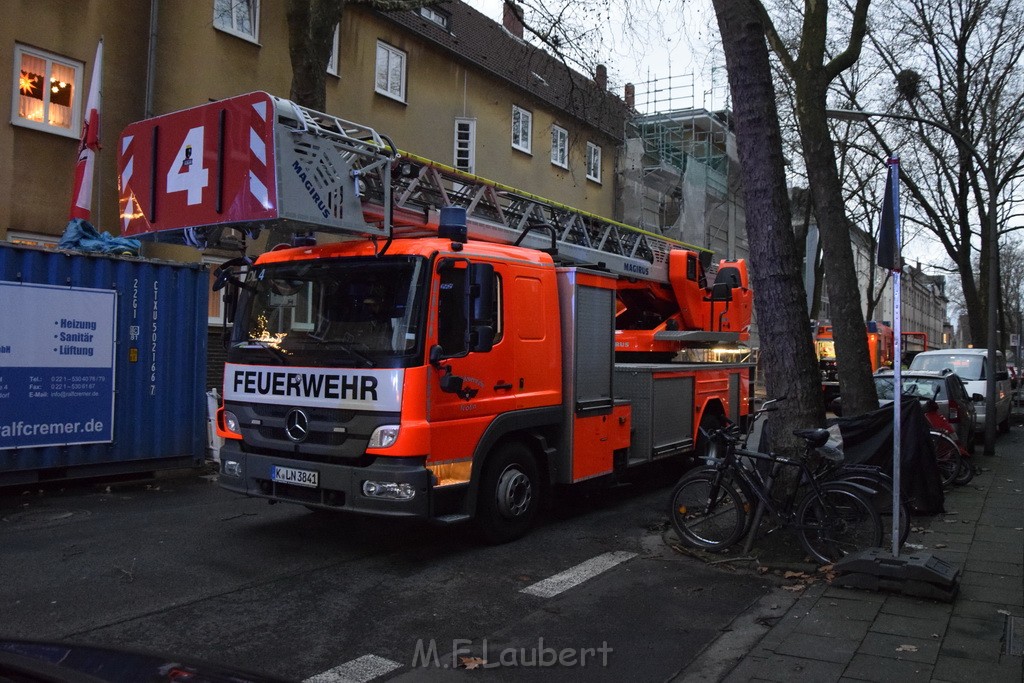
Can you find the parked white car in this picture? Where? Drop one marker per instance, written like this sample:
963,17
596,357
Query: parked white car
972,367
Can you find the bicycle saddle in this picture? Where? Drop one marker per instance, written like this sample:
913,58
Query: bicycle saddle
814,437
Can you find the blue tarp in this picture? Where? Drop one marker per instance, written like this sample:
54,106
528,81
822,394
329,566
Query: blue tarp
82,236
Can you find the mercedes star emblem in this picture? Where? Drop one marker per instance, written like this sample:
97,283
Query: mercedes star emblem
296,425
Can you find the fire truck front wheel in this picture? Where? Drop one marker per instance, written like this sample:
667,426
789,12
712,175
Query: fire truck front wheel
509,494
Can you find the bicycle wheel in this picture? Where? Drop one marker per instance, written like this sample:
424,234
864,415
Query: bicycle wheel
838,522
947,457
881,484
708,511
966,472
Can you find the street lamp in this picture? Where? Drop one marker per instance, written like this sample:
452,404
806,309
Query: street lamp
993,290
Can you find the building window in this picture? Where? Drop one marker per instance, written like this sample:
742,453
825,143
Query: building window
593,162
522,125
559,146
45,92
332,61
465,145
238,17
435,15
390,72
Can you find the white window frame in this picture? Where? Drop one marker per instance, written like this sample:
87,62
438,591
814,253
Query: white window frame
75,130
593,162
522,129
231,26
436,16
332,61
391,53
468,145
559,146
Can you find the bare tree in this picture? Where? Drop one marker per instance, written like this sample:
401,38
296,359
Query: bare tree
1011,270
787,353
955,62
803,41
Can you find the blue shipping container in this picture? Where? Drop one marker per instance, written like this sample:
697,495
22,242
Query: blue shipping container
102,364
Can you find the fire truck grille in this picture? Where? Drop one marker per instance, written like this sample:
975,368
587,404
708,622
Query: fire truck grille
314,438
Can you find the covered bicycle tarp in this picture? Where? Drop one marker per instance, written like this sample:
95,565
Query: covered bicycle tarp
867,439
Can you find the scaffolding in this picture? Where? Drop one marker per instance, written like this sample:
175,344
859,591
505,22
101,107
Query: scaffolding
674,130
679,169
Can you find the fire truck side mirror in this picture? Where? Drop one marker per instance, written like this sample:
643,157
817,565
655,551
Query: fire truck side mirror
450,383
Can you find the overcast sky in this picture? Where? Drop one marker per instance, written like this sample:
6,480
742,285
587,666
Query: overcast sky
656,41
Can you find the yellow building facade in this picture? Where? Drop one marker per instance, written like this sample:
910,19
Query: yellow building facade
446,83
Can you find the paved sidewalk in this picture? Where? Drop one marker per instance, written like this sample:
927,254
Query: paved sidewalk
841,634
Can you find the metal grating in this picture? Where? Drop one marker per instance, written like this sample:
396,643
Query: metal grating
1013,630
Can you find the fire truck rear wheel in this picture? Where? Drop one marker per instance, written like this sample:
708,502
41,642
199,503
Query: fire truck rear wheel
509,495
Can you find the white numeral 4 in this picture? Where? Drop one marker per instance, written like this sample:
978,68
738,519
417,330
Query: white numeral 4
187,173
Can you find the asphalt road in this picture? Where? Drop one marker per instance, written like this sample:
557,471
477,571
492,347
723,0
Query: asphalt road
180,567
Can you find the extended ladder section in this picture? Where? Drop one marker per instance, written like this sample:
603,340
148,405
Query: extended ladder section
256,162
500,213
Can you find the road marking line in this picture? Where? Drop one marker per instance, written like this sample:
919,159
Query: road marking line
574,576
360,670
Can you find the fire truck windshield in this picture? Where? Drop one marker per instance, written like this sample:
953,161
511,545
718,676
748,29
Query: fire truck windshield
351,312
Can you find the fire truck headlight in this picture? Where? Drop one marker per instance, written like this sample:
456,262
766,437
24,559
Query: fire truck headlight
383,437
231,422
232,468
388,489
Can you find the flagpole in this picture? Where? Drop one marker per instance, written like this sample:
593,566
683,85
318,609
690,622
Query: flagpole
98,187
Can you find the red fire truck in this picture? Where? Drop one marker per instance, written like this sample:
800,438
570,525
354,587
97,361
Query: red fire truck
880,351
433,345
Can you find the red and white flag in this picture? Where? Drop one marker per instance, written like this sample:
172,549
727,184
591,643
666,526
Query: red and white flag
81,198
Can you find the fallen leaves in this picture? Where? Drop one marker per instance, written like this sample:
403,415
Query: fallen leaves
471,662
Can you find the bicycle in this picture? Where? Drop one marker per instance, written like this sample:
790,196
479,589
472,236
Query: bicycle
871,480
714,507
876,484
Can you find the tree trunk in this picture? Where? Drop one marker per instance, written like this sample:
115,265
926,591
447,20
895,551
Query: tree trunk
310,32
787,352
846,316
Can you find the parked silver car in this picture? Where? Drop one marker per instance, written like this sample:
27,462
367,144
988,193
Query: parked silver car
945,388
972,367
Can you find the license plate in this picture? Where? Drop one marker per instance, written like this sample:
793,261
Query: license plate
290,475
